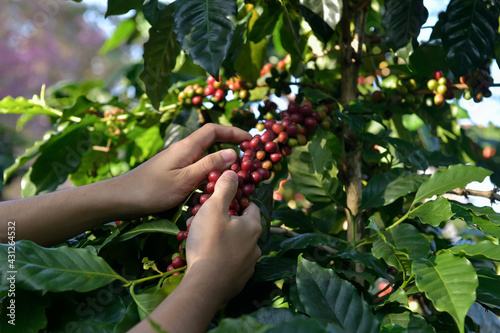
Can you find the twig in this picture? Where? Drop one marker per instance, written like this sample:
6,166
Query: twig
492,195
290,234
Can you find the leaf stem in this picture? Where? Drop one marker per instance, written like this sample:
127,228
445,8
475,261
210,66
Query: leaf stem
400,220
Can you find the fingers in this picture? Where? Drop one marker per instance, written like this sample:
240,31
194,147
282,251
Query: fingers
252,217
217,161
208,134
224,192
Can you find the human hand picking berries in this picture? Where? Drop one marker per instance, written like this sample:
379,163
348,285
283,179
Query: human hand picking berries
221,253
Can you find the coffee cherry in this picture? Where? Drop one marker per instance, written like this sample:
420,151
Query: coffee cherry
256,144
256,164
244,175
265,173
272,147
256,177
278,128
235,167
432,84
283,137
297,118
178,262
301,140
170,268
292,142
210,187
438,99
204,198
260,126
248,190
181,235
232,212
261,155
213,176
245,145
195,209
276,157
286,150
267,164
269,124
293,108
244,203
292,130
305,110
268,136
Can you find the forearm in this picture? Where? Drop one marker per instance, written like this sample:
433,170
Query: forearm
54,217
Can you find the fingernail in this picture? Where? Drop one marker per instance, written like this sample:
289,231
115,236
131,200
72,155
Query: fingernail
231,175
228,155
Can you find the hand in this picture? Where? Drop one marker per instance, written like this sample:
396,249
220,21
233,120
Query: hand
221,247
166,179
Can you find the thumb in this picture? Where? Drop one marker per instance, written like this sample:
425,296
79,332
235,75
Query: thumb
225,190
217,161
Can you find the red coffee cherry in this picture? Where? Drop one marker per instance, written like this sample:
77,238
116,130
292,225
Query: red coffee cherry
213,176
248,190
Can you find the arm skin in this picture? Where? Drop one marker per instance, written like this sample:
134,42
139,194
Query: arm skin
221,254
157,185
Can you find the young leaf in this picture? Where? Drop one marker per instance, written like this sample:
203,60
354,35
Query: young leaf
204,29
408,321
123,31
326,296
402,21
450,282
469,34
433,212
57,269
160,54
455,176
161,226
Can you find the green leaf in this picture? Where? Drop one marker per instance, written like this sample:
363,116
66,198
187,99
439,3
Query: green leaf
266,22
427,58
204,29
57,269
408,321
274,268
314,171
488,292
129,320
118,7
250,60
323,16
412,122
161,226
456,176
122,32
328,297
29,312
469,34
385,188
160,55
450,282
149,299
407,238
433,212
367,259
465,213
484,250
402,21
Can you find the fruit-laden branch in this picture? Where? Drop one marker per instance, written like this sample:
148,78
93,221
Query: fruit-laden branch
290,234
492,195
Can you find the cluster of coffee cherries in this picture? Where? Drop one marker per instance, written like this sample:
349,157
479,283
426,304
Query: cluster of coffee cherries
478,84
192,95
441,87
261,156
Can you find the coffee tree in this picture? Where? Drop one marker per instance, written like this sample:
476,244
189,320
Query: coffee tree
359,164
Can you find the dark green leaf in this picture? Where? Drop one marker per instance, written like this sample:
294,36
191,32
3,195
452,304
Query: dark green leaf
456,176
28,315
428,58
250,60
386,188
433,212
406,238
323,16
129,320
274,268
274,316
149,299
304,240
118,7
437,277
367,259
204,29
488,292
161,226
469,34
465,213
409,322
402,21
328,297
306,325
160,54
57,269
